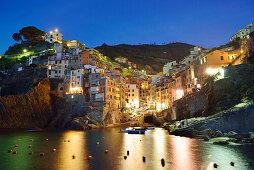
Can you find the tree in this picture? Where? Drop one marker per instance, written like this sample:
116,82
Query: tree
31,33
16,37
28,34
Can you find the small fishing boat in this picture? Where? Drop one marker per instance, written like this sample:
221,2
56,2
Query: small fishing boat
139,128
124,131
149,128
136,132
133,131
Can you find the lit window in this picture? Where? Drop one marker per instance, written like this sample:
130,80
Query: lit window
201,61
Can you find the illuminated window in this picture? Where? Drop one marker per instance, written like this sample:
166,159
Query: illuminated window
201,61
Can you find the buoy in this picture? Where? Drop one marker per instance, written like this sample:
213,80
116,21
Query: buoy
232,163
215,165
46,139
68,140
19,139
128,152
89,157
144,159
97,143
9,150
32,140
73,156
162,162
106,151
54,149
14,152
29,146
30,153
125,157
16,145
42,154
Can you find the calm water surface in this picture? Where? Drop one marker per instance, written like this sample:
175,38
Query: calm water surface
179,152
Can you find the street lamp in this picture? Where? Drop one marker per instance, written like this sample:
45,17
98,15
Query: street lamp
24,50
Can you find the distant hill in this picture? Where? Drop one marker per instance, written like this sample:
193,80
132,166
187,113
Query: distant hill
147,55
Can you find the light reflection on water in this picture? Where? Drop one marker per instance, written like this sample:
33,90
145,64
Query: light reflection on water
178,152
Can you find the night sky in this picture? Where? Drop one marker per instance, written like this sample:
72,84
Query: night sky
207,23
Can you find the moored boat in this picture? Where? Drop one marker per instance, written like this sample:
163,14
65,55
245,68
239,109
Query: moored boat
136,132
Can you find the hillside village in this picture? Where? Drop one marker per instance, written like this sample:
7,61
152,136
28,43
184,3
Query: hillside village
85,77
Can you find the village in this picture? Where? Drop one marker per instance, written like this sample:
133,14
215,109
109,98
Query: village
86,77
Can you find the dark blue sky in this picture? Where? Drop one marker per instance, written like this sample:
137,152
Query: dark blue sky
206,23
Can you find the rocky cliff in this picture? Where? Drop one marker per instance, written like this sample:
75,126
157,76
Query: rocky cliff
27,111
226,104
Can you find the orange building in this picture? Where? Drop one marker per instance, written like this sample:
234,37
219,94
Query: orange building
211,63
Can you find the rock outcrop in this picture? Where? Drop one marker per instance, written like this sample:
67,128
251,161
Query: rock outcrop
31,110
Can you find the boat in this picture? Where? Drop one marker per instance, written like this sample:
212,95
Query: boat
133,131
139,128
124,131
136,131
150,128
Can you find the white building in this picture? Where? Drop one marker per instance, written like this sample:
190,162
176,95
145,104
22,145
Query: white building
195,50
132,98
54,37
76,81
168,67
242,33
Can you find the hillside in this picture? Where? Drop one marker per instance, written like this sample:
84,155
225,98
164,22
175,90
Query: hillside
154,56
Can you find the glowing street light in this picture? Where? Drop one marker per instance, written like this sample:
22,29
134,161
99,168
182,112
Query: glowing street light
56,30
24,50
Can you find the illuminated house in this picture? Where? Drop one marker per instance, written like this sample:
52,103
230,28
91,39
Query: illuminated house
168,67
57,65
243,33
76,81
54,37
132,97
143,94
211,63
74,44
179,86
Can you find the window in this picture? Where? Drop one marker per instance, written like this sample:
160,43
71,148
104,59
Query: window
59,71
55,62
49,72
132,94
129,90
201,61
56,71
133,90
204,59
129,94
221,58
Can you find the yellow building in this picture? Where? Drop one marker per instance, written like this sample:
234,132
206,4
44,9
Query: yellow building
211,63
